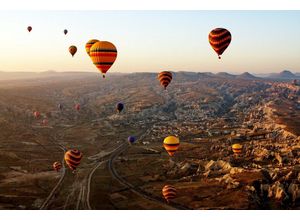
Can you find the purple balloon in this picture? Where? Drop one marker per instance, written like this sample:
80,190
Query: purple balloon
131,139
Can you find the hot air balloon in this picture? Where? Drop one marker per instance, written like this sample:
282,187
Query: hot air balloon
77,106
131,139
237,149
165,78
120,107
45,122
219,39
169,192
89,44
171,144
57,166
103,55
36,114
29,28
73,158
72,50
65,31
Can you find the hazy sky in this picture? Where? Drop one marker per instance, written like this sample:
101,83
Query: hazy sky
262,41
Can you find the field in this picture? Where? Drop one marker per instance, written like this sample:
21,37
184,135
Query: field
206,111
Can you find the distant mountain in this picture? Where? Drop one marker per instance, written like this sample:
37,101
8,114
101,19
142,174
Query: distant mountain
246,75
283,75
225,75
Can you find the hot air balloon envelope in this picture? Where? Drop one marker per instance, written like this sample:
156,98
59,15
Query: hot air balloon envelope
73,158
72,50
89,44
131,139
165,78
120,107
103,55
57,166
219,39
171,144
169,192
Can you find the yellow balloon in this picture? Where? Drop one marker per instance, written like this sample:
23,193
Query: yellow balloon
171,144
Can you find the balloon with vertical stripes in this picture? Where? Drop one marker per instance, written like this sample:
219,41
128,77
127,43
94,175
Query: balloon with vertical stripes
169,192
103,55
165,78
219,39
171,144
73,158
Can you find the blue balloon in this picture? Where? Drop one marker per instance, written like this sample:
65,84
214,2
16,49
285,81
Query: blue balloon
131,139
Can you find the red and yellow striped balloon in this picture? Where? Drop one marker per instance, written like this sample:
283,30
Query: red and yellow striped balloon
219,39
72,50
237,149
73,158
103,55
57,166
165,78
171,144
89,44
169,192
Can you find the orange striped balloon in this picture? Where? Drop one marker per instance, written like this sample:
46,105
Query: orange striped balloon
165,78
72,50
237,149
171,144
219,39
57,166
103,55
169,192
89,44
73,158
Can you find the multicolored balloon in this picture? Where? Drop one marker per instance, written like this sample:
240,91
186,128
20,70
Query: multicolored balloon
73,158
219,39
171,144
165,78
57,166
72,50
89,44
29,28
103,55
120,107
169,192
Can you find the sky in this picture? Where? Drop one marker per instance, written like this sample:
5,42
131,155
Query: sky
151,41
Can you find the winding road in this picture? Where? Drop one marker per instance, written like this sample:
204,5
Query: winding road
137,190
